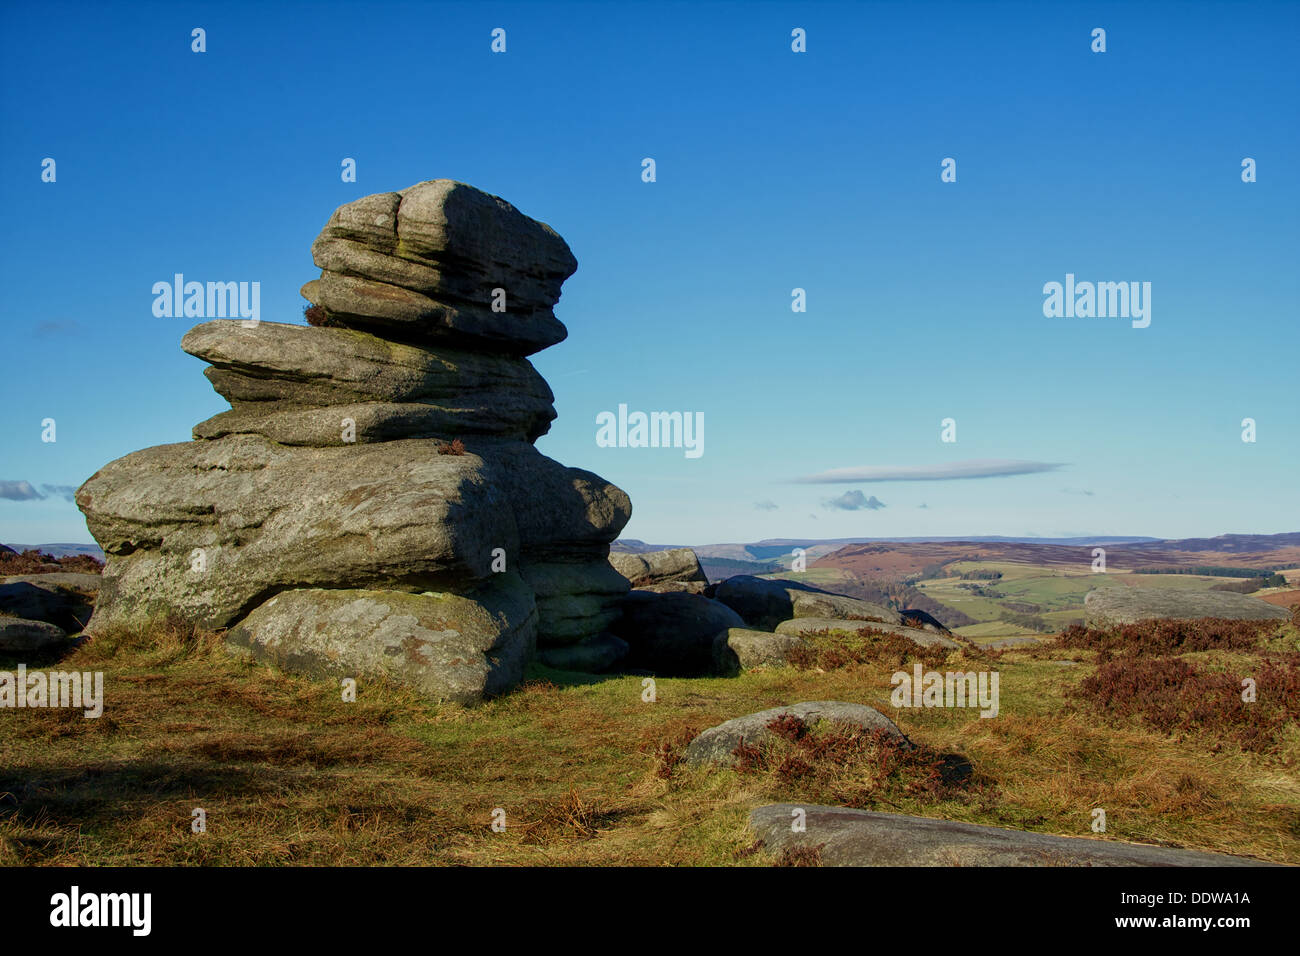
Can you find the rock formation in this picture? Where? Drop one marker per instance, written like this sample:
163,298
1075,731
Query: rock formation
373,502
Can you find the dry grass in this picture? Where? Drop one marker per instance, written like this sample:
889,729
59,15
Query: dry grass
589,774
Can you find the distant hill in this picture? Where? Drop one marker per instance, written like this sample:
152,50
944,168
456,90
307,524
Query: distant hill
61,550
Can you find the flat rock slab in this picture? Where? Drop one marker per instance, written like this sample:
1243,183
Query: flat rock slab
671,565
806,626
1129,605
716,745
865,838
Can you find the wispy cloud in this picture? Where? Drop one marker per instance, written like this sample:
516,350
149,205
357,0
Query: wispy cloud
853,501
766,505
1077,491
24,491
977,468
19,491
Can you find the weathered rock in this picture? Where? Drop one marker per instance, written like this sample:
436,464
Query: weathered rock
66,606
591,655
739,648
459,648
21,636
424,263
675,587
866,838
673,565
717,744
209,530
295,383
322,495
815,604
1130,604
811,626
574,601
673,634
562,514
766,603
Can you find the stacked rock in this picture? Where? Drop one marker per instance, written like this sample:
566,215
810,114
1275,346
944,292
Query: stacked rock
373,502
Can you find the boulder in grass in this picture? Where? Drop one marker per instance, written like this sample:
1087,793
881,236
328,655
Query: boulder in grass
717,744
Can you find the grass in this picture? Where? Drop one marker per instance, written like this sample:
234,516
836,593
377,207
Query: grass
587,772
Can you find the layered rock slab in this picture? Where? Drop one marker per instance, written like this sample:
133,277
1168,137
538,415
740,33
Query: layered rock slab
424,263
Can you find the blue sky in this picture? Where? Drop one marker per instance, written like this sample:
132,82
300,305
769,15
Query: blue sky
775,170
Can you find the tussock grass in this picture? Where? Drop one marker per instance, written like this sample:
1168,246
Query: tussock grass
587,773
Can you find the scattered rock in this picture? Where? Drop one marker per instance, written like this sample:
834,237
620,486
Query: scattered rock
866,838
716,745
673,633
21,636
739,648
806,626
1129,604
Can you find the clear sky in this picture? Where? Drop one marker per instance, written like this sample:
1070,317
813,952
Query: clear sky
775,170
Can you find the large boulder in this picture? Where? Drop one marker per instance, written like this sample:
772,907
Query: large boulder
209,529
717,745
450,647
1126,605
845,837
672,634
670,566
765,603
